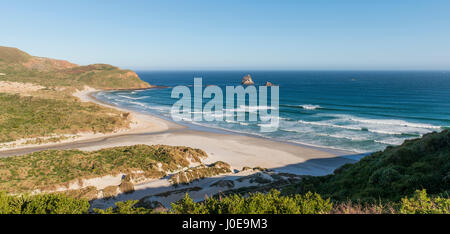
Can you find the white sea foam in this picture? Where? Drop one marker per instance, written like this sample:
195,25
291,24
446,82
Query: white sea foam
138,103
244,108
391,141
343,136
133,98
268,118
379,126
360,134
309,107
321,145
325,124
394,122
384,132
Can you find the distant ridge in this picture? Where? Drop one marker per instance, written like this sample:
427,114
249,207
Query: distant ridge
13,55
19,66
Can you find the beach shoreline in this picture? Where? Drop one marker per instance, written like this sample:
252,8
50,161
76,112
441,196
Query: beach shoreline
237,150
203,128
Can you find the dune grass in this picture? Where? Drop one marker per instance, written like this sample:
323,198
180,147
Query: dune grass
47,170
31,116
200,172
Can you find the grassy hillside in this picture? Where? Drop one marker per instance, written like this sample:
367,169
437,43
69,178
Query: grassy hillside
391,174
53,110
34,117
10,55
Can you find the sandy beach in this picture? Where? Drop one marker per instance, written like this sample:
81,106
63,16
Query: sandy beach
237,150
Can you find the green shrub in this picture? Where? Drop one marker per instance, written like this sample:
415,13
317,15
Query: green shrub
42,204
389,175
128,207
188,206
420,203
256,203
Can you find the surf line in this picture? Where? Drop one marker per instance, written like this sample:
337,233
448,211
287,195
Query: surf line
257,104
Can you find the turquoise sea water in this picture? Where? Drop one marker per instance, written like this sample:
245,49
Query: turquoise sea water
360,111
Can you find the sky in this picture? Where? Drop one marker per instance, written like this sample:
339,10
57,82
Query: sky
234,35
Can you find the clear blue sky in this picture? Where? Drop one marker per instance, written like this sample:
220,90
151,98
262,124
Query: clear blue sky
229,34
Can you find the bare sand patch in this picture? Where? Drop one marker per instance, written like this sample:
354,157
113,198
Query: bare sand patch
17,87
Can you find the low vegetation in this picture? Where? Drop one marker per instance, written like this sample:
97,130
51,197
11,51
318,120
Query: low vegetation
31,117
42,204
48,170
256,203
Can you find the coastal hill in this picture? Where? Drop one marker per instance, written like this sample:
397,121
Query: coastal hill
37,103
392,174
19,66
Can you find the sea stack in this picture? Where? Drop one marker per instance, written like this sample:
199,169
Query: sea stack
247,80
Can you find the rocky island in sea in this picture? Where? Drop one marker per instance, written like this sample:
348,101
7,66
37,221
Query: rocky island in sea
247,80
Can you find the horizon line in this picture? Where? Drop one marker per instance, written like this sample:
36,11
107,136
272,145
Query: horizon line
291,70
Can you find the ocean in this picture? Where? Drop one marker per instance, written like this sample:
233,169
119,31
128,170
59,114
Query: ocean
358,111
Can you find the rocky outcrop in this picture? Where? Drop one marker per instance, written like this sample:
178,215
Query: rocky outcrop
200,172
247,80
268,84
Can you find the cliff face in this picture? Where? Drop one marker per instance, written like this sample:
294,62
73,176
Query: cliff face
247,80
15,63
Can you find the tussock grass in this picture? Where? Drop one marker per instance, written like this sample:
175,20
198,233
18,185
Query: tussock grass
200,172
47,170
88,193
